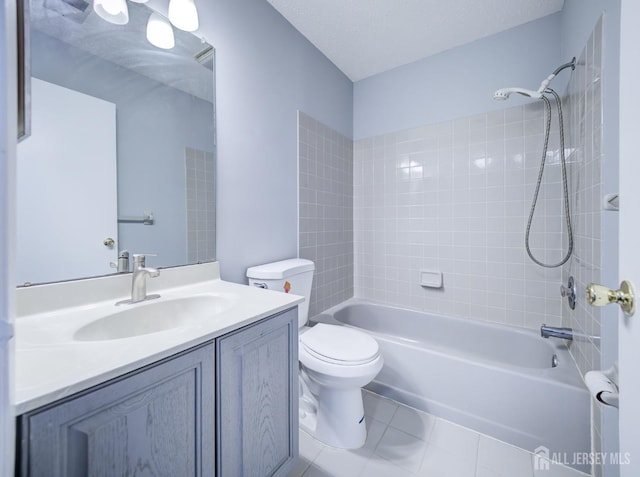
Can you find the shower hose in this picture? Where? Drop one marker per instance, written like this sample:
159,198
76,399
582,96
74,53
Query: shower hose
567,212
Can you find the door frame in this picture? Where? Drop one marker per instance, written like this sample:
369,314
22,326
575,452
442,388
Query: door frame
8,140
629,257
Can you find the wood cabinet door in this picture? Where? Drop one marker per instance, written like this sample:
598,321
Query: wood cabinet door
257,402
156,422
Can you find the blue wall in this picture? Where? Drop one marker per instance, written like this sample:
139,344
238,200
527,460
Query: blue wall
458,82
265,72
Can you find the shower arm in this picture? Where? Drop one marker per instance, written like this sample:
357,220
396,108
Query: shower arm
571,64
547,80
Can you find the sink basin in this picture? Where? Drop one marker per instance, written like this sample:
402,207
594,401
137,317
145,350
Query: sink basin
152,317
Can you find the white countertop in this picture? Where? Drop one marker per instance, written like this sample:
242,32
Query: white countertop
50,364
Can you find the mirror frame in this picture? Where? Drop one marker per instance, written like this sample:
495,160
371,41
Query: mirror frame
24,69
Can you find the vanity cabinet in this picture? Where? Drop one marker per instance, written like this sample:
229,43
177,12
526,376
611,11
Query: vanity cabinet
227,408
257,405
155,422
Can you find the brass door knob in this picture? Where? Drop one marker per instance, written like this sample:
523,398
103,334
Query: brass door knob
598,295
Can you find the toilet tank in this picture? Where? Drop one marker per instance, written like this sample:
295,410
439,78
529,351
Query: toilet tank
289,276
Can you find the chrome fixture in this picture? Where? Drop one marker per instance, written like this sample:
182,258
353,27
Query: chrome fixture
598,295
139,280
123,262
503,94
553,332
569,292
554,361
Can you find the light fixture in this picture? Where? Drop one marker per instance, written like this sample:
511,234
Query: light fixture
113,11
183,14
159,32
139,1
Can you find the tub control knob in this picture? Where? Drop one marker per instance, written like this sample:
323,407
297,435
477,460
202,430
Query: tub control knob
598,295
569,292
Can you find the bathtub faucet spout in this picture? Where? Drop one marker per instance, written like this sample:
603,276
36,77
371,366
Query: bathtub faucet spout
552,331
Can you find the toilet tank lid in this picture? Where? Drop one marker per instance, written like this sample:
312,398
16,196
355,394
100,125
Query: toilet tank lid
281,269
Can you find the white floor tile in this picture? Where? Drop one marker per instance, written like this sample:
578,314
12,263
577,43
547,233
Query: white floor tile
379,408
309,447
484,472
438,462
375,430
411,421
342,463
455,439
379,467
404,442
557,470
402,449
314,471
503,458
299,469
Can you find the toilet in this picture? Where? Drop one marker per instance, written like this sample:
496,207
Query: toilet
335,361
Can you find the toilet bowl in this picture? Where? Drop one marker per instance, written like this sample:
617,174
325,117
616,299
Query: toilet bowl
335,362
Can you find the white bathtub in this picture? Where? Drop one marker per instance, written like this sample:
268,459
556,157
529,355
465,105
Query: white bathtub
495,379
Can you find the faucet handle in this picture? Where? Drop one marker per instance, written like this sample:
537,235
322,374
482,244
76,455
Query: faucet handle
139,259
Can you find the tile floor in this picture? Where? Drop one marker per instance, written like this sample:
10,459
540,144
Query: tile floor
403,442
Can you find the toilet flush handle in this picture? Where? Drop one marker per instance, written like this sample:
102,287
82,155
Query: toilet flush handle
260,285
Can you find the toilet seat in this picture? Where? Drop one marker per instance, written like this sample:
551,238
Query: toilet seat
339,345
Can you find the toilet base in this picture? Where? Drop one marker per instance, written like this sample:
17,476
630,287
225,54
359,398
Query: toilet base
335,417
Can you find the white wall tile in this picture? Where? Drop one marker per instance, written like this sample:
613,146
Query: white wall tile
584,145
461,208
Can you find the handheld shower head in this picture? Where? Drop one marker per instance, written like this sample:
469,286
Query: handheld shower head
504,93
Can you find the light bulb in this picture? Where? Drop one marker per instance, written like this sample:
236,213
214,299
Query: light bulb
183,14
113,11
159,32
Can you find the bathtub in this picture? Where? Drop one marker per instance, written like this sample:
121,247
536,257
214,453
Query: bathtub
498,380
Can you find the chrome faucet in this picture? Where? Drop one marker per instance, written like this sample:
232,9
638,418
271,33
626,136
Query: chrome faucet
552,331
139,280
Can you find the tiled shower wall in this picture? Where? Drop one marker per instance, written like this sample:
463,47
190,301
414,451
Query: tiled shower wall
454,197
584,121
585,127
200,189
326,211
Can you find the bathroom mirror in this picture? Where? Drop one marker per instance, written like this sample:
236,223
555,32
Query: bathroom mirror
121,154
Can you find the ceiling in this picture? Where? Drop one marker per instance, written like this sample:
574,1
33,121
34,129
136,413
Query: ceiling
367,37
